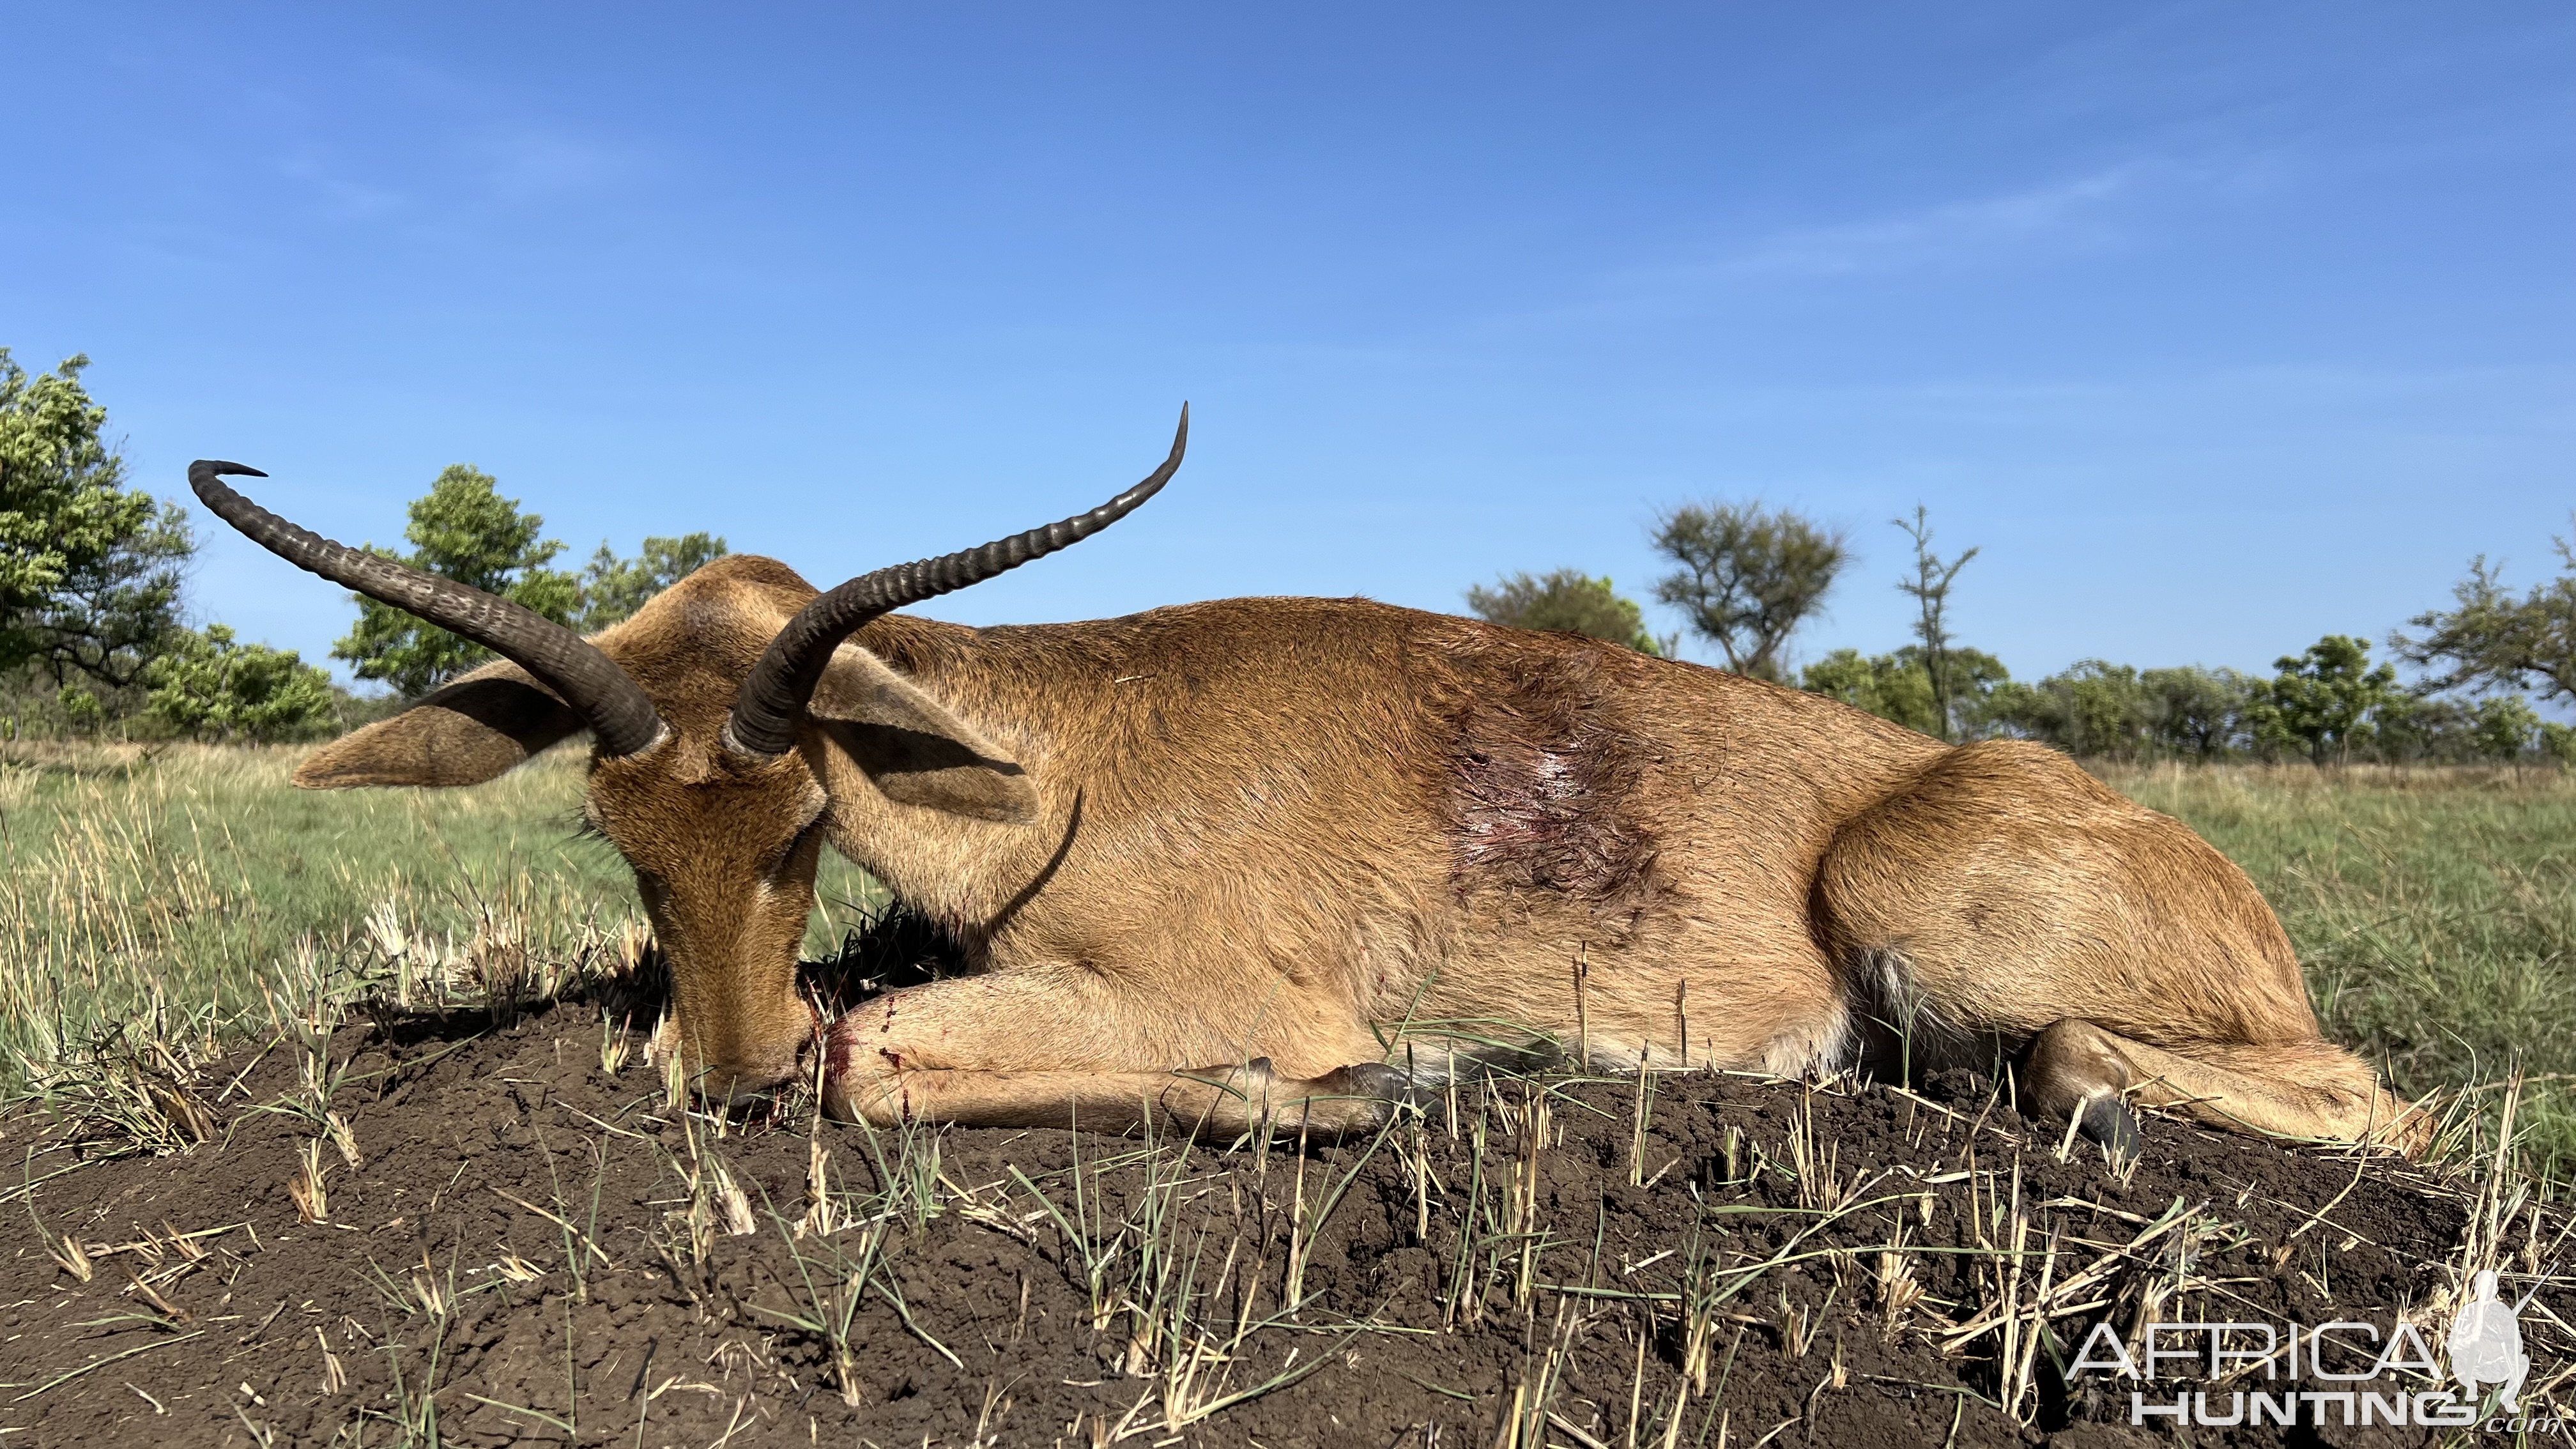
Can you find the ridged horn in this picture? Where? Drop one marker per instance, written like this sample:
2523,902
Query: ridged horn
620,716
772,701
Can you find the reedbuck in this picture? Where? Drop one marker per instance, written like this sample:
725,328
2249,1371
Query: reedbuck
1207,860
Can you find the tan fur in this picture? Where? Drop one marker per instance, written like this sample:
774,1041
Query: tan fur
1238,840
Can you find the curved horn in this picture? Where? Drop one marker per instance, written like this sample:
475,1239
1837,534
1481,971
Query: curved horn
620,716
773,698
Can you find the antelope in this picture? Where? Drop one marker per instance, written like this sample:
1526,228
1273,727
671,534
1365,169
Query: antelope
1205,862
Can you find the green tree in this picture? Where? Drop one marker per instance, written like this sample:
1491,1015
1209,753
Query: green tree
2558,742
1978,682
1898,686
2323,700
1886,686
2095,710
81,709
1748,577
465,530
2412,728
2504,727
2495,640
613,588
2195,711
89,569
211,687
1568,601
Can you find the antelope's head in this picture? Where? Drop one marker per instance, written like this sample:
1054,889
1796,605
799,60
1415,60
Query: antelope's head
707,744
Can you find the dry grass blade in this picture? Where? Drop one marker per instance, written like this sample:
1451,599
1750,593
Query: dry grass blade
312,1197
1900,1290
144,1290
335,1377
2065,1295
187,1116
71,1256
336,1127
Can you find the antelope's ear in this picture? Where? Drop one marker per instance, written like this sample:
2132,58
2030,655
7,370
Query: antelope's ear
469,732
913,748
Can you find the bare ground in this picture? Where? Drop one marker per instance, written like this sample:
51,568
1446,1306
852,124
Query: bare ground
533,1247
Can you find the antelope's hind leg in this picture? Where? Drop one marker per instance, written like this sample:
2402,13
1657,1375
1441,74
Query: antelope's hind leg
2311,1089
2016,899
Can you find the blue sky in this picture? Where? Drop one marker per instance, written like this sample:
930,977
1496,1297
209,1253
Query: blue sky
2217,327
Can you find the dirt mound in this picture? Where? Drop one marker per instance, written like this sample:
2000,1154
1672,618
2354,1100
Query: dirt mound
534,1247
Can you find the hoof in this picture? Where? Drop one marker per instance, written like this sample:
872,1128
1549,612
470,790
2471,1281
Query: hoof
1382,1084
2107,1120
1370,1079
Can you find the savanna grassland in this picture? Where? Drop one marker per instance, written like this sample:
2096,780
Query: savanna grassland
176,878
328,1121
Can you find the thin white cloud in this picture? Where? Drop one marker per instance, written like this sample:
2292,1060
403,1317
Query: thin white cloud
2097,209
1944,234
425,143
523,161
338,195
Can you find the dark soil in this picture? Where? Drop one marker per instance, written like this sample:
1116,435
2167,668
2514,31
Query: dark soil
978,1323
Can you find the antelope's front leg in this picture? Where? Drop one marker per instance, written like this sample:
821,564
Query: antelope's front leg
1012,1051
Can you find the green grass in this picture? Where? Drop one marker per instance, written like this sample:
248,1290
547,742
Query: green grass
2435,908
186,874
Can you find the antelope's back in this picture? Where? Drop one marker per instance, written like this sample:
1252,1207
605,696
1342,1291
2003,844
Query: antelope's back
1342,777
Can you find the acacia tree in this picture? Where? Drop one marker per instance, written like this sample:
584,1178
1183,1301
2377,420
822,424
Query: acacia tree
2494,640
465,530
1930,590
89,569
1748,577
1568,601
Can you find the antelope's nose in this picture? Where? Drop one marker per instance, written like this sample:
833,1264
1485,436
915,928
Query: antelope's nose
744,1082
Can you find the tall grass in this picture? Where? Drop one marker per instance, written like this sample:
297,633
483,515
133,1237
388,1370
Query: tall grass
2435,909
181,875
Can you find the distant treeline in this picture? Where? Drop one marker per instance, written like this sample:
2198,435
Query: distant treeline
1744,579
2328,705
